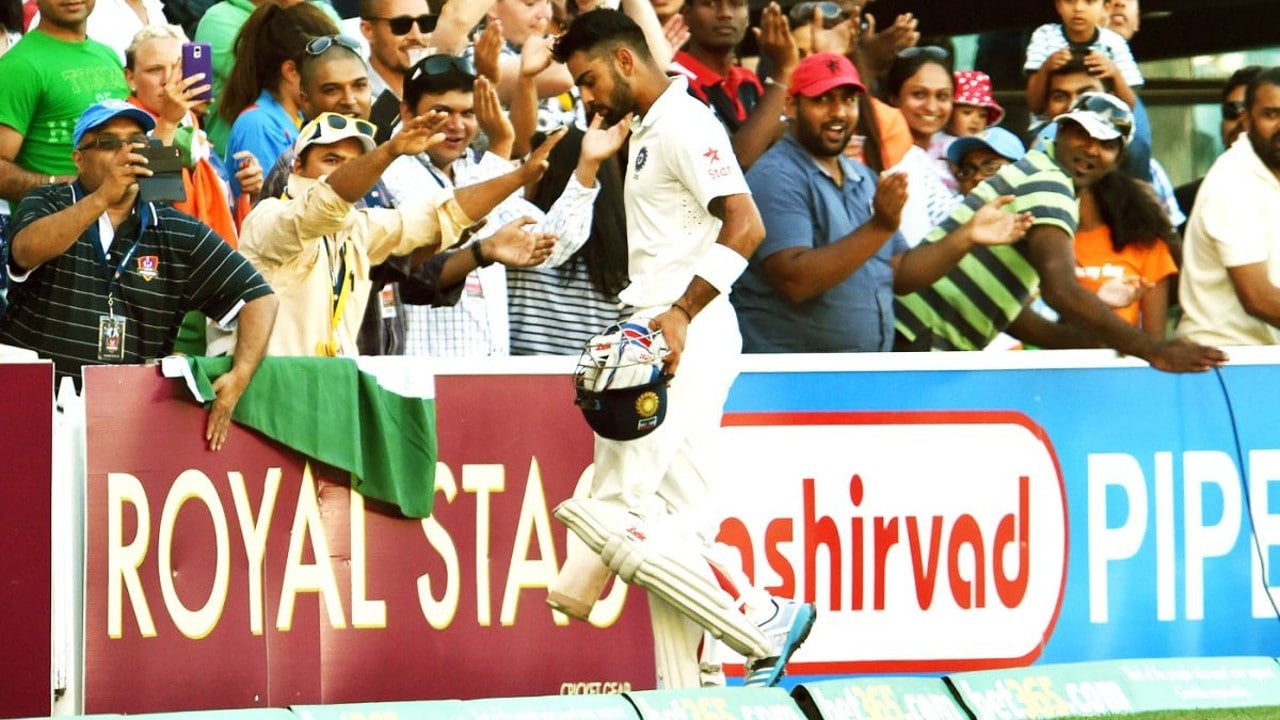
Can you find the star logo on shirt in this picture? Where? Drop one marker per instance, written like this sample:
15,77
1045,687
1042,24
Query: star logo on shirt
712,155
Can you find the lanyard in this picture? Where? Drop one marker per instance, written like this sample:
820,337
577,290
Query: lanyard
341,279
146,216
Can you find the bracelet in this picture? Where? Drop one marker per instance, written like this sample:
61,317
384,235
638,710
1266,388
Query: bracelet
683,309
479,256
720,267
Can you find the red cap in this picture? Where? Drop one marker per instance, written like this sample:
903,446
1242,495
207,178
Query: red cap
820,72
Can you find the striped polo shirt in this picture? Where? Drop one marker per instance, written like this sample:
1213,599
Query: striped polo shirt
974,302
180,264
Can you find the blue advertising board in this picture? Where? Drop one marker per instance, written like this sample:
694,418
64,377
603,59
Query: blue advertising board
1006,511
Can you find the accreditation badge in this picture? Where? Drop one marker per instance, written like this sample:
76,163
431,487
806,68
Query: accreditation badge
111,338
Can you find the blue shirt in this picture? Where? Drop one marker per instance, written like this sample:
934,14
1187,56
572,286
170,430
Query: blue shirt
802,206
264,129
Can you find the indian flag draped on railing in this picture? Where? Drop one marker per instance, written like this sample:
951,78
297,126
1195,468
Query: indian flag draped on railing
374,417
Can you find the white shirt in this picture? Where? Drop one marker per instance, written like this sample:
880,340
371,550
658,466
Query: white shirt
1235,221
479,324
679,160
114,22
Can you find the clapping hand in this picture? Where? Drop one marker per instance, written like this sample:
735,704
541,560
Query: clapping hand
489,52
991,225
492,119
776,43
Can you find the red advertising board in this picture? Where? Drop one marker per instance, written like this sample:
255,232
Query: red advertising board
26,444
251,577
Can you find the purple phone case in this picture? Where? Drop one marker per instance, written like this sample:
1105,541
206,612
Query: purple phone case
197,57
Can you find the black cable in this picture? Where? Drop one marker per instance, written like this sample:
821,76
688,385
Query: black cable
1244,482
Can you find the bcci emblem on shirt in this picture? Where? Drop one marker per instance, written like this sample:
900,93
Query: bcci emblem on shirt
641,158
149,267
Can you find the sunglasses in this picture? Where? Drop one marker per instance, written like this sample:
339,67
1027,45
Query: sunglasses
986,169
831,13
402,24
441,65
1232,109
929,51
113,142
320,45
341,122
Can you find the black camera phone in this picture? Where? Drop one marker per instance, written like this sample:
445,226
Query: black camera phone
165,184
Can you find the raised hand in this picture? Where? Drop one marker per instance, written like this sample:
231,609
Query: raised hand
418,134
775,41
991,225
248,173
535,55
676,31
121,182
489,52
492,119
514,245
536,165
179,96
880,48
599,144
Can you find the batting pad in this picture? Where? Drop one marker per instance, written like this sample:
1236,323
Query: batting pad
665,563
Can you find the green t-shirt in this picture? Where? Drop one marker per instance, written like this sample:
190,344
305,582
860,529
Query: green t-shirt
974,302
47,84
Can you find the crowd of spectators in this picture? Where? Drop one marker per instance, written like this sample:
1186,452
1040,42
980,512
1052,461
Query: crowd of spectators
425,178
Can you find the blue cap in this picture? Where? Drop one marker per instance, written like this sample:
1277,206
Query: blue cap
104,111
1000,141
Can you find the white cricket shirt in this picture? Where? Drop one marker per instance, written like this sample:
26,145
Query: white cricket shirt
679,160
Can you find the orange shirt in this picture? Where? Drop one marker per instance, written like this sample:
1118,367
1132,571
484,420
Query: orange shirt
1097,262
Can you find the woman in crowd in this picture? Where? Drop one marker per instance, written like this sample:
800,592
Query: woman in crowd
1123,250
554,310
921,85
262,100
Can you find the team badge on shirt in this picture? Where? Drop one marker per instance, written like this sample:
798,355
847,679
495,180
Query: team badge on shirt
641,158
149,267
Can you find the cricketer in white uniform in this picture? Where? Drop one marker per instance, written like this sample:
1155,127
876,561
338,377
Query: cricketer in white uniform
691,225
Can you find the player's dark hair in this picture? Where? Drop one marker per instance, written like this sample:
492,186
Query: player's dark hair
601,30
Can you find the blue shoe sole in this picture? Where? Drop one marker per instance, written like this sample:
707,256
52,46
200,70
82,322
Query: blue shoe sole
800,628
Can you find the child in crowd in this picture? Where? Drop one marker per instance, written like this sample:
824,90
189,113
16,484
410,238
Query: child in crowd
1082,35
974,109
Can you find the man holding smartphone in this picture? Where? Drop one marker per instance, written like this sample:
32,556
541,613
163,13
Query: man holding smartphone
99,277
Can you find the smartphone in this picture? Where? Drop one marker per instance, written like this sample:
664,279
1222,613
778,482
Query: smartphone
197,57
165,184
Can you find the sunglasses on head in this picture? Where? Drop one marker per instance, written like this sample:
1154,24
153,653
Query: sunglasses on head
113,142
402,24
320,45
929,51
1232,109
441,65
340,122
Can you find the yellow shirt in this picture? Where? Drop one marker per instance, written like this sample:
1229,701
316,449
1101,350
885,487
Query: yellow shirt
302,244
